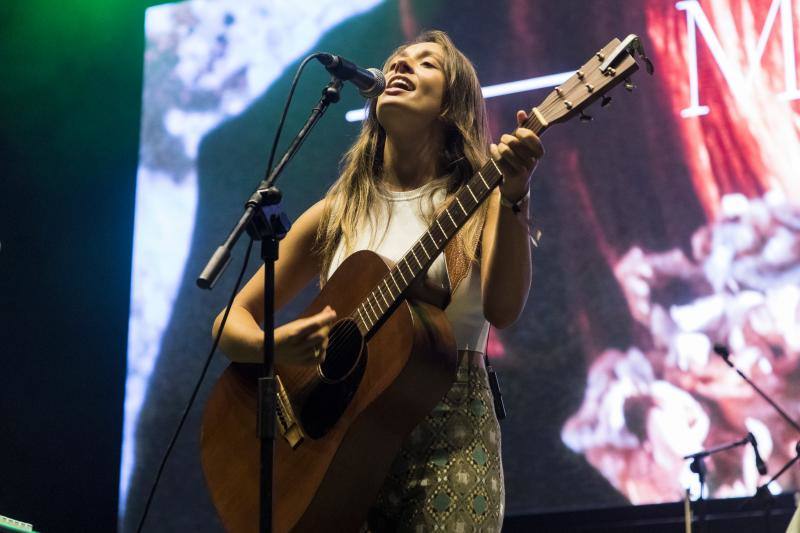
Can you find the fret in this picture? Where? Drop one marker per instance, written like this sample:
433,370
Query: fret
411,273
400,270
365,311
467,204
434,241
455,226
427,255
399,290
499,173
377,316
370,322
389,289
444,233
384,297
462,207
473,194
361,316
480,175
376,307
375,297
416,258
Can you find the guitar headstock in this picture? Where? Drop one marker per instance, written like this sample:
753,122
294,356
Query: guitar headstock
612,65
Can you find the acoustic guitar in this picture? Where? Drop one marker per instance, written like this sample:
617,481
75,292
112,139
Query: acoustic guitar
389,362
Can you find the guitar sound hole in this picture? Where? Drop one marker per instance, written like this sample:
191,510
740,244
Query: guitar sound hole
344,347
341,372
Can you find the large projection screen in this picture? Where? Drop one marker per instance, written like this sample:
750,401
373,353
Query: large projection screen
671,222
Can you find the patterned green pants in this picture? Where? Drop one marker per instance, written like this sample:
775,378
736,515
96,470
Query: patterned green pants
448,475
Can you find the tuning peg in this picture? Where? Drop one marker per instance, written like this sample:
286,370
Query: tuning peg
585,118
648,64
605,101
639,48
629,85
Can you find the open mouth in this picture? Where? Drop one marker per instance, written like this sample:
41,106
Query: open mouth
399,84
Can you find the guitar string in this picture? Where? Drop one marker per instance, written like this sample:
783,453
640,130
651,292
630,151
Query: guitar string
532,122
352,321
350,326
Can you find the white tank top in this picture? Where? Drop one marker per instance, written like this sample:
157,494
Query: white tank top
391,232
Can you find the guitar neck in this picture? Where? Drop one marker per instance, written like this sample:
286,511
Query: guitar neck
383,299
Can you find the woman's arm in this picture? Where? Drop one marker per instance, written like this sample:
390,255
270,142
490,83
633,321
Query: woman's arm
243,337
506,248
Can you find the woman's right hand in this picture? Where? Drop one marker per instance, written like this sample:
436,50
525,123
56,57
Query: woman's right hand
304,341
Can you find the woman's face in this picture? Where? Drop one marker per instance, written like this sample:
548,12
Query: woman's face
415,85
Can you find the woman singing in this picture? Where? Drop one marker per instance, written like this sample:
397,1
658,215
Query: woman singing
423,138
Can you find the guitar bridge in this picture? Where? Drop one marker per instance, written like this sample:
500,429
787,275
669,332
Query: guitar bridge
287,421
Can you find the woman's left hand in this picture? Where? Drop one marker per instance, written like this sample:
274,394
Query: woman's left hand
517,155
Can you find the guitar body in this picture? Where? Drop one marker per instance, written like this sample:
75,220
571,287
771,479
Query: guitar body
350,415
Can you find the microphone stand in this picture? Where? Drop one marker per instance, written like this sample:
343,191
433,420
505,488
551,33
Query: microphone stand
783,469
763,493
723,352
264,220
698,466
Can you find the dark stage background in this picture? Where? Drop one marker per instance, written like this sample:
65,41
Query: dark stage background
71,100
667,226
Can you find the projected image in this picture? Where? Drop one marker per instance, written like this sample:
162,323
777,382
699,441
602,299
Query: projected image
735,281
671,223
660,400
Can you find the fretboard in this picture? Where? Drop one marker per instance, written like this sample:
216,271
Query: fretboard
369,315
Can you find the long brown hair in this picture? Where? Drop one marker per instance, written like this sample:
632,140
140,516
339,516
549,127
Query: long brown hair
350,199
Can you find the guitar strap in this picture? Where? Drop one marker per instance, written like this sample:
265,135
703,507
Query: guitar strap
458,265
457,260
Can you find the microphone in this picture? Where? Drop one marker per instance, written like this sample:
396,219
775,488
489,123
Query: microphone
370,82
722,351
760,465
